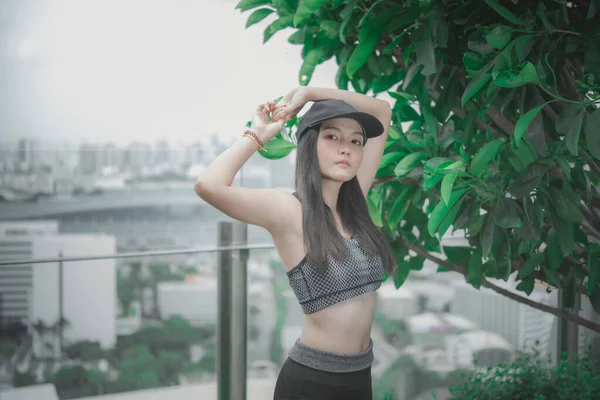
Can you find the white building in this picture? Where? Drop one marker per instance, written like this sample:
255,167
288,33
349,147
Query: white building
396,304
518,323
88,290
28,228
194,299
481,347
31,293
16,280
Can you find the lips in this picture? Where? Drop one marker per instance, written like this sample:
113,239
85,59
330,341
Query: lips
343,162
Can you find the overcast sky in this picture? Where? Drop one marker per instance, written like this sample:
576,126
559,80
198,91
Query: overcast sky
124,70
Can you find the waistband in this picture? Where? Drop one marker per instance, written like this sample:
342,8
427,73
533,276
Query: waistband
331,362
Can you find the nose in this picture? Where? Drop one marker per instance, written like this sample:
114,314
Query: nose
344,150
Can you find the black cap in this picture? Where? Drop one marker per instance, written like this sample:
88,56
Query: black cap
325,110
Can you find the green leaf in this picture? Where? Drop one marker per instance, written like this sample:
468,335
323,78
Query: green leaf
488,152
401,205
402,96
592,133
593,8
425,52
393,132
553,250
408,163
277,148
512,79
564,206
368,37
524,121
504,12
447,184
506,215
403,268
520,157
390,158
595,302
569,124
526,285
258,16
474,61
545,72
475,272
529,73
297,37
551,277
312,58
499,36
522,46
531,264
564,233
475,87
374,212
401,273
457,254
572,139
394,43
443,214
405,112
330,28
430,181
306,8
528,181
276,26
487,236
593,267
245,5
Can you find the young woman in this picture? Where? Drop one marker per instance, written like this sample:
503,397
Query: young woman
334,255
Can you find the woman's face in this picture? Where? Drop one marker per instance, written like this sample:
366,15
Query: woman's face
340,148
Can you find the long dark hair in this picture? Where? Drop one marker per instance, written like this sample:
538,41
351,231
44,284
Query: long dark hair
321,236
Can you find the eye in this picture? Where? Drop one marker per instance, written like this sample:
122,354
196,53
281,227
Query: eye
331,136
357,142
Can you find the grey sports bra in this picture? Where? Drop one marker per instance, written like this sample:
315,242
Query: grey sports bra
359,273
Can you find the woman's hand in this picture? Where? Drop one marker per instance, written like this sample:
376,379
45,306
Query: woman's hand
291,103
262,126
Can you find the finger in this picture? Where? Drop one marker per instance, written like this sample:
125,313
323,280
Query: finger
276,115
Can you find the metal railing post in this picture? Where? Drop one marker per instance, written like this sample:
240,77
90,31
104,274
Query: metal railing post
223,362
232,309
239,313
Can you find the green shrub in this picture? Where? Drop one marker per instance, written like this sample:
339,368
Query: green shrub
531,377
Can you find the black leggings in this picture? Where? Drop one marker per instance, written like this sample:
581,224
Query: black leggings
299,382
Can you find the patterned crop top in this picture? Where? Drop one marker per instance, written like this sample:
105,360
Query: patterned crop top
359,273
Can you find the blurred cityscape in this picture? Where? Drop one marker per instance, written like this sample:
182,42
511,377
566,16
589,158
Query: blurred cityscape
145,326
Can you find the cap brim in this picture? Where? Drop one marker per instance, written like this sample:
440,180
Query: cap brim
373,127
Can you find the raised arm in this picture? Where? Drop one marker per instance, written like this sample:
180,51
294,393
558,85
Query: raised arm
373,151
262,207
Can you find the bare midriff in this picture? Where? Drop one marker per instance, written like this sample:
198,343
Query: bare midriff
344,327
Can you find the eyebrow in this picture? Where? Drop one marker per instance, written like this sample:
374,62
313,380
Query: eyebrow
339,130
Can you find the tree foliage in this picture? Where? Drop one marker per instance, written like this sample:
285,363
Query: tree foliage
494,131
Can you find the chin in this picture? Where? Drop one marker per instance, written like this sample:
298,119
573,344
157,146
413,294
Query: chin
339,176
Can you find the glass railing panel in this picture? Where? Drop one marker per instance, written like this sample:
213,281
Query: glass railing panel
133,324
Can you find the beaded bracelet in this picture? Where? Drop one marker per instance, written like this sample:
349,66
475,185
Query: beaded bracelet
252,135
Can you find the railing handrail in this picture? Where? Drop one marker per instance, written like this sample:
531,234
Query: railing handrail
141,254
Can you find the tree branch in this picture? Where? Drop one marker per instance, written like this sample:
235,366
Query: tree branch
562,313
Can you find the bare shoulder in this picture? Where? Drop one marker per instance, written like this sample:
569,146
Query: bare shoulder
268,208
